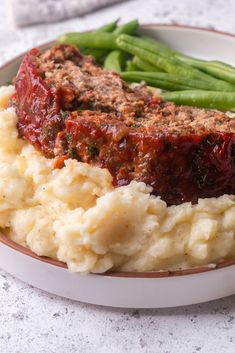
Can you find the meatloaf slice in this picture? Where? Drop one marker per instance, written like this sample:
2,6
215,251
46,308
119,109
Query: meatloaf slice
61,79
179,166
69,107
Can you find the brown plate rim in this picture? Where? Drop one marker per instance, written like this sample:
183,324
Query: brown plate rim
160,274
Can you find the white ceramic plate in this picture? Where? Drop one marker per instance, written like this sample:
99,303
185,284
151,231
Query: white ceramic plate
144,290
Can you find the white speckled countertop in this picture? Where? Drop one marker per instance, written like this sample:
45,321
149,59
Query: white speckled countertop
32,321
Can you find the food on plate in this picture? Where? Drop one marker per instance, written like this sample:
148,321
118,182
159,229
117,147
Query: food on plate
69,107
76,215
175,70
148,49
106,175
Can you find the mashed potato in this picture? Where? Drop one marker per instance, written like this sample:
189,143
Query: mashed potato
75,215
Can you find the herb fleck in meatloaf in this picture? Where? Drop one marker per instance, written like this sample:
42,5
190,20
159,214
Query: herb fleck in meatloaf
70,108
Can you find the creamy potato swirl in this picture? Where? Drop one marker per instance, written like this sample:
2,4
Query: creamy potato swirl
75,215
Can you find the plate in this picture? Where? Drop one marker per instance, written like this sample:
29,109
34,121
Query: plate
131,290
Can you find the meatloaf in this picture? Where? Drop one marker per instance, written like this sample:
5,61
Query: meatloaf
68,107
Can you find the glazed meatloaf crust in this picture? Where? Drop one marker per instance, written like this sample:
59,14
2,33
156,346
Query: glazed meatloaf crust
70,108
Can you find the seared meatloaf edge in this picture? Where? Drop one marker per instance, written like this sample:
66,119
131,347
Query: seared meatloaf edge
68,107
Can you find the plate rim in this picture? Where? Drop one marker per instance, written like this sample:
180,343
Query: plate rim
152,274
157,274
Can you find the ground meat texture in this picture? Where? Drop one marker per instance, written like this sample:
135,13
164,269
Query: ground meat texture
70,108
179,167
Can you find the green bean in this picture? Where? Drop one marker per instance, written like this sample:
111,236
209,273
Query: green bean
128,28
205,99
159,46
115,61
96,42
216,69
100,53
97,53
159,58
140,48
160,82
144,65
137,46
223,65
164,80
168,85
126,44
207,72
90,40
130,66
190,60
199,62
108,28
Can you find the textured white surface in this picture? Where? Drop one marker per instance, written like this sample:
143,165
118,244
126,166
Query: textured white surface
33,321
33,11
